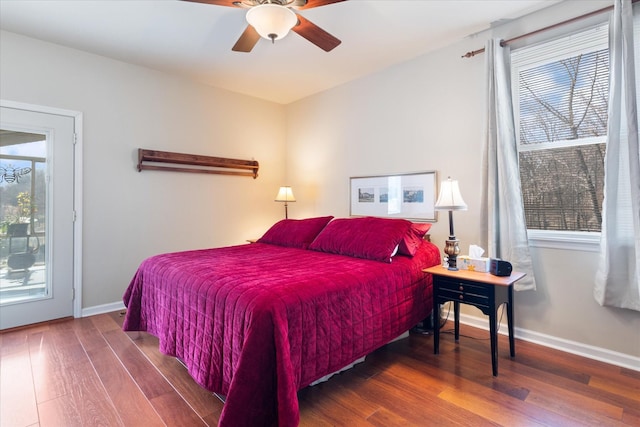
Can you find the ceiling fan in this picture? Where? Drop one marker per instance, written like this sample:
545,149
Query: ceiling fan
272,20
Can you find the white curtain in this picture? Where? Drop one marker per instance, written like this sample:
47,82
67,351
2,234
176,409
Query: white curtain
618,276
503,231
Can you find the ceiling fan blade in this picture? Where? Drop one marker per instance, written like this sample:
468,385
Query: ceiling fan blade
247,40
230,3
315,34
318,3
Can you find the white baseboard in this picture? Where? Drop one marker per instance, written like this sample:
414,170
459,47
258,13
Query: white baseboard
573,347
104,308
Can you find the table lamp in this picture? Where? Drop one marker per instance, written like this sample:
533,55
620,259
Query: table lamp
450,200
285,195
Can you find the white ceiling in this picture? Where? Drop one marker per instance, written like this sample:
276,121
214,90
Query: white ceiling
195,40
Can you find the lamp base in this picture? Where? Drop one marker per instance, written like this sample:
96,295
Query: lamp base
452,249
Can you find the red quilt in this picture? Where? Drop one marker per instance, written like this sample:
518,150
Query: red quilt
259,322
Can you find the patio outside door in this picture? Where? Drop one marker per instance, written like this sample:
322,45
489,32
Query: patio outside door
36,216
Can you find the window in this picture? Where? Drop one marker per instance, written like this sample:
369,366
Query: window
561,91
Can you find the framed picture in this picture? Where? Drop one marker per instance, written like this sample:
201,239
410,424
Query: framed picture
410,196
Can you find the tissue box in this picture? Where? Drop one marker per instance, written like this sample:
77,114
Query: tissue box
465,262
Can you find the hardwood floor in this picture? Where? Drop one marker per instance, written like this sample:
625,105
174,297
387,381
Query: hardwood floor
87,372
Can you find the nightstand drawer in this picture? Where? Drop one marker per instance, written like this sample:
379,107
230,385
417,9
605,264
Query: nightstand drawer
461,286
462,291
464,297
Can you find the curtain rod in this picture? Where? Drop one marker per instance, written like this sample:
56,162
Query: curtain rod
550,27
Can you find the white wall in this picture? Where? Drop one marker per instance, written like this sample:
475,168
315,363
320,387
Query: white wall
129,216
428,114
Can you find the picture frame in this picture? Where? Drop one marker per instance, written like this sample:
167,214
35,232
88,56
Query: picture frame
409,196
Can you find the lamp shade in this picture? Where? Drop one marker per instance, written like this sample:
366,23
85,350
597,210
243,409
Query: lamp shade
285,194
450,198
271,21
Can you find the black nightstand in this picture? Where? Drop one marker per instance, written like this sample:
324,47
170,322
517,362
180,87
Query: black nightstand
482,290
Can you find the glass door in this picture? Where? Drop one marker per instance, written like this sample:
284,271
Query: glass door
36,204
23,212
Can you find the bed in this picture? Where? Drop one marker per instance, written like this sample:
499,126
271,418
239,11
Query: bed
258,322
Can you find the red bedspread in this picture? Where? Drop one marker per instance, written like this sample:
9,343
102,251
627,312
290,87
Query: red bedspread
259,322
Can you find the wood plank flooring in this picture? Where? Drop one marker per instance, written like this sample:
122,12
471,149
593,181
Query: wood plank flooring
87,372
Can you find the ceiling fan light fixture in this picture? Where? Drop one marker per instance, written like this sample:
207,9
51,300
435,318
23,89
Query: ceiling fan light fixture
271,21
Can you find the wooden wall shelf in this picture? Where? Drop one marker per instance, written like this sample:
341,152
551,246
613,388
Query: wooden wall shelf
166,161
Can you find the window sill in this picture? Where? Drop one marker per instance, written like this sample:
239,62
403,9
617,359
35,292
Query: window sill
569,240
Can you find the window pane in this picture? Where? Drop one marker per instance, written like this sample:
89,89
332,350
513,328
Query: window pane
562,188
565,100
23,268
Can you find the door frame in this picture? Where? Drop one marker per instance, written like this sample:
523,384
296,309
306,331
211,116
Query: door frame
77,190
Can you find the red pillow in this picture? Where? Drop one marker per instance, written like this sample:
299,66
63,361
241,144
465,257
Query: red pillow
413,239
295,233
367,237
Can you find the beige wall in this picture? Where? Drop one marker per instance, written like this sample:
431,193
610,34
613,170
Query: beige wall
129,216
428,114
